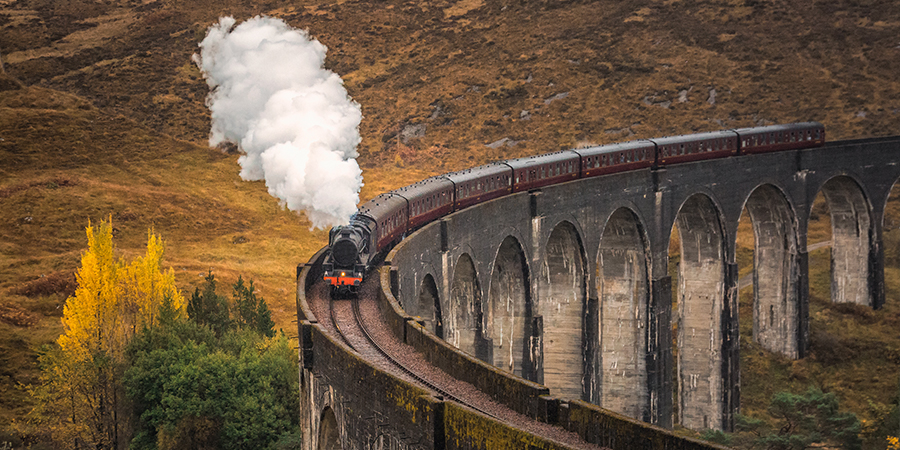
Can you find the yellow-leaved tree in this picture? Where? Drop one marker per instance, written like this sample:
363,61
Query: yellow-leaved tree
145,287
80,398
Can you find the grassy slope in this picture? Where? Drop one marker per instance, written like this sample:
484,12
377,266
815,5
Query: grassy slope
113,123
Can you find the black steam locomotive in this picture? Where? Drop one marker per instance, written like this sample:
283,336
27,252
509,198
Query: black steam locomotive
383,221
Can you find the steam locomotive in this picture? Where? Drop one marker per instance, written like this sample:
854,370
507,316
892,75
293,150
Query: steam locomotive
383,221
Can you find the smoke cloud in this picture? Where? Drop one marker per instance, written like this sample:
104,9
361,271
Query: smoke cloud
292,119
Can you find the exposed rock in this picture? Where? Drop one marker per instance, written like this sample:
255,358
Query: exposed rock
412,131
559,96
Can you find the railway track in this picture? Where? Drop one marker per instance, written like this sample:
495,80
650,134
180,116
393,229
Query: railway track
348,336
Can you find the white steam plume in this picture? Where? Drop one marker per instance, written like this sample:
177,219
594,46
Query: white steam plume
292,118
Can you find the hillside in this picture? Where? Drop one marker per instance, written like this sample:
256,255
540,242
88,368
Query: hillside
102,115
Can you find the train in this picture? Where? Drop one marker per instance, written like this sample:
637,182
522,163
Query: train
383,221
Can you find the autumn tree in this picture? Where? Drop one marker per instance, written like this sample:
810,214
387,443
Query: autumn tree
80,397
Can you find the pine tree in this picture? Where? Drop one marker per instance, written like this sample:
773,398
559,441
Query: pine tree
802,421
264,323
252,311
208,308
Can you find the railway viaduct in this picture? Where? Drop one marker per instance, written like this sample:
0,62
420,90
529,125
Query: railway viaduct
568,291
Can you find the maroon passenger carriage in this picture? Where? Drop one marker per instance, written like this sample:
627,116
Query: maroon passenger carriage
534,172
776,138
480,184
695,147
427,200
614,158
383,221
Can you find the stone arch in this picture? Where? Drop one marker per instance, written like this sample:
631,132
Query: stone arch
850,241
562,307
329,433
776,268
429,306
507,317
462,325
623,293
697,314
